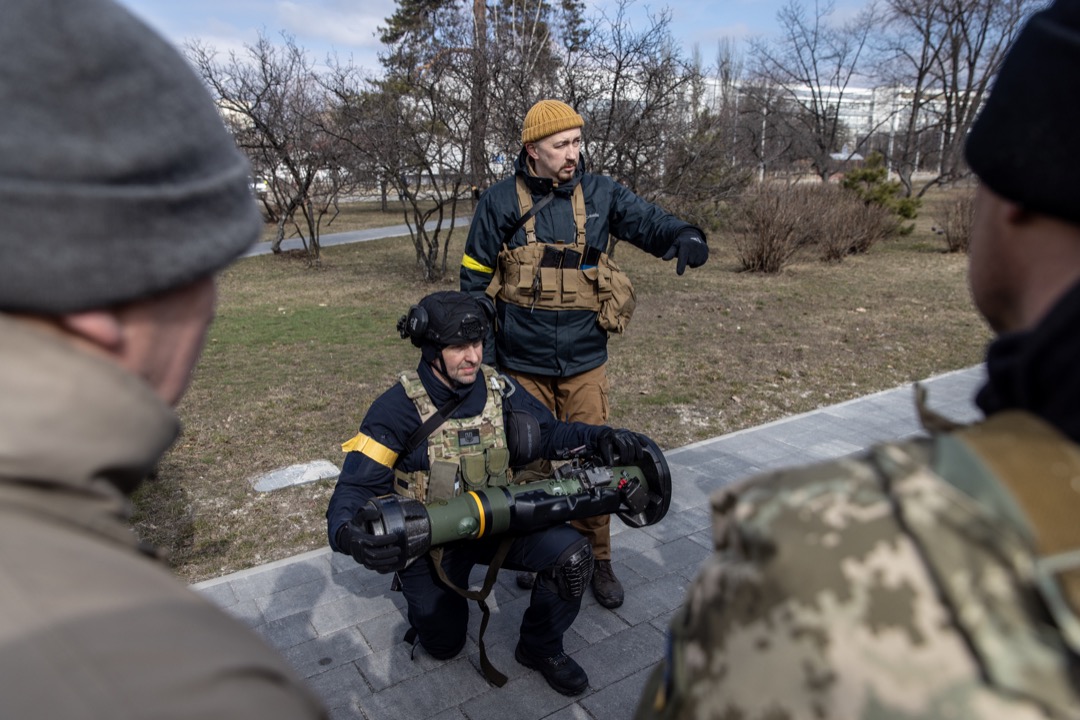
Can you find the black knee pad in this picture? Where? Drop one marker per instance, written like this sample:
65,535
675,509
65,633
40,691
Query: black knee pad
572,571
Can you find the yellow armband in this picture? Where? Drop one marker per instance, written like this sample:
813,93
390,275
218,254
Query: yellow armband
374,449
471,264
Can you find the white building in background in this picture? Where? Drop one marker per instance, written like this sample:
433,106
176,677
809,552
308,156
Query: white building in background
864,112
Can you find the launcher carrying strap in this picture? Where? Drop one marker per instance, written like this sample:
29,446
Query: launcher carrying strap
493,675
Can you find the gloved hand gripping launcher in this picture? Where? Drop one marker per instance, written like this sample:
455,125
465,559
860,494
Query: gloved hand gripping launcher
639,494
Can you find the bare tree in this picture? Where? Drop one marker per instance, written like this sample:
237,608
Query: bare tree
637,98
943,55
813,64
411,130
533,53
273,102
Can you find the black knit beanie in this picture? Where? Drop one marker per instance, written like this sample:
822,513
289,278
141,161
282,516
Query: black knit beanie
1025,143
118,179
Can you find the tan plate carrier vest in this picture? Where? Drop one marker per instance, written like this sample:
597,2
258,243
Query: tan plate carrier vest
523,277
463,453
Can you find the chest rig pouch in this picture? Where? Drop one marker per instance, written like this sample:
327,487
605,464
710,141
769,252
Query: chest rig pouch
560,275
463,453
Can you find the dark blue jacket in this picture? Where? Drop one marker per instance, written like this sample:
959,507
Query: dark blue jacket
393,418
557,343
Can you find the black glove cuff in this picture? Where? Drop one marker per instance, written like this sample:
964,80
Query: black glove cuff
344,538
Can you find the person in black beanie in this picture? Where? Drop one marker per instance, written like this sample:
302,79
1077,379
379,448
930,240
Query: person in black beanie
940,576
121,197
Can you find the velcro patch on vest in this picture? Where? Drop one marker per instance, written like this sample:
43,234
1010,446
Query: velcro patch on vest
469,437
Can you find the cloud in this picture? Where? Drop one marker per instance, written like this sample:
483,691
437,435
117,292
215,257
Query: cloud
345,25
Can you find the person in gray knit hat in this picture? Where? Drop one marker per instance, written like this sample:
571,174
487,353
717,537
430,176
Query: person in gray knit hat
121,195
939,576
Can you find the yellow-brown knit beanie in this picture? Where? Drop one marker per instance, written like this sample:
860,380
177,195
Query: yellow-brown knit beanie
548,117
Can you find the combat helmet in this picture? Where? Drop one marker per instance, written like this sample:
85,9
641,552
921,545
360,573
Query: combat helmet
444,319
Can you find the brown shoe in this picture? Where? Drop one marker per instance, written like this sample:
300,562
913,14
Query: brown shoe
605,586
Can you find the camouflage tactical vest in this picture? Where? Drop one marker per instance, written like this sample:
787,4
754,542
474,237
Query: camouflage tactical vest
561,275
928,579
463,453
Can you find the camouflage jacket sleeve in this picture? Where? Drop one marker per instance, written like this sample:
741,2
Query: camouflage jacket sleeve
819,602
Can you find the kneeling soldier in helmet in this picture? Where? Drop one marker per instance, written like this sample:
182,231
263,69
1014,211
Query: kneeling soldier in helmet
450,426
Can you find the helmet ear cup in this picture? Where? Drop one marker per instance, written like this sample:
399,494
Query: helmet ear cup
414,325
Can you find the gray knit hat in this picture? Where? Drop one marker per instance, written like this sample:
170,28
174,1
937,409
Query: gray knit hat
118,179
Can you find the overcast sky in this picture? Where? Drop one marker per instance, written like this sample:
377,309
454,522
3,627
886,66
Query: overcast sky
348,26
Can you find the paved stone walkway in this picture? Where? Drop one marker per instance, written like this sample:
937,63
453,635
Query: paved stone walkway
340,626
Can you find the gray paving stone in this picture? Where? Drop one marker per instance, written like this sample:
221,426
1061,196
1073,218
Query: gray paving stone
518,698
281,577
341,688
595,622
286,632
690,494
394,665
663,621
300,598
653,599
704,538
350,610
347,712
385,631
339,625
247,612
445,687
622,655
667,558
221,594
630,541
451,714
570,712
327,652
618,700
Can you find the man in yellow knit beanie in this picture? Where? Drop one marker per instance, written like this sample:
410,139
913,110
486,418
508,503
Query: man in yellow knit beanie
537,245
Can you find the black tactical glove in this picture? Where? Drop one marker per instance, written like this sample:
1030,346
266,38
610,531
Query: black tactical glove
375,552
618,447
691,249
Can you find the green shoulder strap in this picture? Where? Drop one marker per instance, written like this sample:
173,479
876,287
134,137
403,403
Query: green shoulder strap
1038,474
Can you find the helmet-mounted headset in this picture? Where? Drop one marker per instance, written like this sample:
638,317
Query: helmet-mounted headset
448,318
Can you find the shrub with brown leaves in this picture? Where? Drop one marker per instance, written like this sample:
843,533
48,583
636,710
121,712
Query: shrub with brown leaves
955,219
774,221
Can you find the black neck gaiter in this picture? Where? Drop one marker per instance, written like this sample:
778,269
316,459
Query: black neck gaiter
1038,370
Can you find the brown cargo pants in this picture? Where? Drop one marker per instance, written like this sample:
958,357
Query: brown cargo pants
577,398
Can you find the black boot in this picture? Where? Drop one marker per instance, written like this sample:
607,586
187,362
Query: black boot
561,671
605,586
525,580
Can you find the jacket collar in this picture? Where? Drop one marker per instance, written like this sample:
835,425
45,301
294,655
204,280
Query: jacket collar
78,431
1035,370
472,396
542,186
